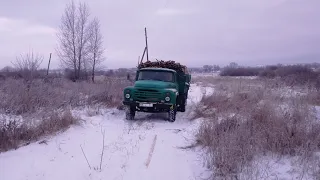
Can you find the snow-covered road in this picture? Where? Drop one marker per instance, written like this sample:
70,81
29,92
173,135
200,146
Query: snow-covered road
144,149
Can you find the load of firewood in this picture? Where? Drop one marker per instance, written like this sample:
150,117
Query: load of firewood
164,64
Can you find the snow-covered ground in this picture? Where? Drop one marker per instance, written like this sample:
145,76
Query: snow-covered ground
148,148
144,149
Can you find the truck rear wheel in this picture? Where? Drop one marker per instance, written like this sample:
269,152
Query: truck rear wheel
130,113
172,114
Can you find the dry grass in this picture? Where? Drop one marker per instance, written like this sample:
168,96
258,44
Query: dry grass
251,119
14,134
313,97
50,103
20,97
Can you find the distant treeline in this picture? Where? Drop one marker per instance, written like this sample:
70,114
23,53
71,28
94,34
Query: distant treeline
291,74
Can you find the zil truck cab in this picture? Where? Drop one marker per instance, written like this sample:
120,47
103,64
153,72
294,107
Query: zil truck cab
157,90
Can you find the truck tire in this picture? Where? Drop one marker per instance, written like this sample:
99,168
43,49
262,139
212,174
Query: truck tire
130,113
172,114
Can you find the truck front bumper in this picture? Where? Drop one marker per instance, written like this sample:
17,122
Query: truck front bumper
149,106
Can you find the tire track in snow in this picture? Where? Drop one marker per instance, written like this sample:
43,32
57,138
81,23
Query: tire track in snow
168,135
151,151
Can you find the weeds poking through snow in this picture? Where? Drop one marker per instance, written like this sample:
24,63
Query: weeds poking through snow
84,154
248,122
13,134
101,155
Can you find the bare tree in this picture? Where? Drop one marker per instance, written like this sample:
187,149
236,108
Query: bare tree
27,64
83,33
66,49
95,46
73,37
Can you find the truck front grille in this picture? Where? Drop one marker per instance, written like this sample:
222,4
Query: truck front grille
148,95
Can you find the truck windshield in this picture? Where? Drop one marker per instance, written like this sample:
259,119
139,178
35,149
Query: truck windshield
156,76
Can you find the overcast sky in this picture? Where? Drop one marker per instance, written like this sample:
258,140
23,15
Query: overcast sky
249,32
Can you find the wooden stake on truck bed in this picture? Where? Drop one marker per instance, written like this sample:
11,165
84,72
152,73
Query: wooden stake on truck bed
144,51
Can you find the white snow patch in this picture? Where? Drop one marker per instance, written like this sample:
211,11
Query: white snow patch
213,74
6,119
246,77
290,92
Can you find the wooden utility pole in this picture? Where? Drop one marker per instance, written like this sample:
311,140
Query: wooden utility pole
49,65
145,32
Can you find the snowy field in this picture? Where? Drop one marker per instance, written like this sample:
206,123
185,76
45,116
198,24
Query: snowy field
149,148
106,146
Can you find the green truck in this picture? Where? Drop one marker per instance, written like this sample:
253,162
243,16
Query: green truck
158,89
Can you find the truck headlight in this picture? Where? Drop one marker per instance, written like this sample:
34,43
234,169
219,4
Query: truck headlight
167,98
127,96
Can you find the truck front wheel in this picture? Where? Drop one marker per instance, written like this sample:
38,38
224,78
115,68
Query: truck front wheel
172,114
130,113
